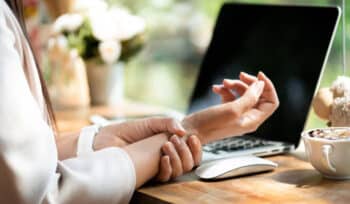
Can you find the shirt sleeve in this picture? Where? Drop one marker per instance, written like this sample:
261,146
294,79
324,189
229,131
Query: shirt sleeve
29,169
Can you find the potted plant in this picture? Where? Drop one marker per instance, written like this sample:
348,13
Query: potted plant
105,38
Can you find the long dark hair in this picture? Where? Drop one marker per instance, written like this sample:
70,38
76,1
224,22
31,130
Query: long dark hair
17,8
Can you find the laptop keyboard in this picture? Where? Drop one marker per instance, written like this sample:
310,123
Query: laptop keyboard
236,143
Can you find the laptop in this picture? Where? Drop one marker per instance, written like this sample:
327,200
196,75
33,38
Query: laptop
290,44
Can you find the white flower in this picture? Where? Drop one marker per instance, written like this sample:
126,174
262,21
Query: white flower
110,51
128,25
68,22
115,24
87,6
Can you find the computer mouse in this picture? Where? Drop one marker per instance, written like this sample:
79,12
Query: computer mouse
232,167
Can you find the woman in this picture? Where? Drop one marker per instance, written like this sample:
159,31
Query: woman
102,165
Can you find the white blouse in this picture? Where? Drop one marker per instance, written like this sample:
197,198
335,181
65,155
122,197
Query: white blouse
30,171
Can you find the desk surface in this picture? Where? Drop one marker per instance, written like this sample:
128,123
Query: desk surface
295,181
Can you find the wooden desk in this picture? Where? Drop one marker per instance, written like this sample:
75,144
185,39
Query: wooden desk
295,181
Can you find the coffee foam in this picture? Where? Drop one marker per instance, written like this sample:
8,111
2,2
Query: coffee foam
331,134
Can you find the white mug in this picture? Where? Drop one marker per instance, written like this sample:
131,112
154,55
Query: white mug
330,157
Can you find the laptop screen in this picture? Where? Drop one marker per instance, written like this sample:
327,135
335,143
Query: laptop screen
288,43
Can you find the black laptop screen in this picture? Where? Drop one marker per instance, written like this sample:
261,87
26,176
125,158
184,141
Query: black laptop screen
288,43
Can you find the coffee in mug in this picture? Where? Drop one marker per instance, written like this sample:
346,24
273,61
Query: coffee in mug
328,150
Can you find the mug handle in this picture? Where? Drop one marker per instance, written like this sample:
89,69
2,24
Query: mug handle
327,150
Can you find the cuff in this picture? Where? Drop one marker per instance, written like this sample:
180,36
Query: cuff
86,140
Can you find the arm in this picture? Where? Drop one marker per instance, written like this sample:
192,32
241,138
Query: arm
236,116
146,155
67,145
120,134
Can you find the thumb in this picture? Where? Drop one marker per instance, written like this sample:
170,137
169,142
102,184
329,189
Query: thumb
250,98
165,124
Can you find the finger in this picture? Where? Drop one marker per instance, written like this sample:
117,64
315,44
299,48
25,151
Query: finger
165,169
270,93
166,124
226,94
169,149
235,85
175,127
184,153
230,90
196,149
249,99
247,78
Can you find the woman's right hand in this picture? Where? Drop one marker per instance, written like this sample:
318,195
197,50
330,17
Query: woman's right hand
236,116
180,155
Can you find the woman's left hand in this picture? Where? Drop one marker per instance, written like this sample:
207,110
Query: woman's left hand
235,116
122,134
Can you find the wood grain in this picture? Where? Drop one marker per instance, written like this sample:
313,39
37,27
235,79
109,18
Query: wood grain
294,181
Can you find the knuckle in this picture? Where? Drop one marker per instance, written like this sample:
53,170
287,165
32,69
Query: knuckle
169,120
277,103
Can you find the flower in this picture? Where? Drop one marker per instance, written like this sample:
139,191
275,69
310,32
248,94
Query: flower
97,32
115,24
86,7
68,22
127,24
110,51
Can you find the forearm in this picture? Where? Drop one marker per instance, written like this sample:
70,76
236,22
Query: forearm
67,145
211,124
145,155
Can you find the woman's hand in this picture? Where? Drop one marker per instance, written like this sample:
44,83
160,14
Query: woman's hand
236,116
179,157
180,154
122,134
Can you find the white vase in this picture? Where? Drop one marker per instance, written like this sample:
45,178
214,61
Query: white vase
106,83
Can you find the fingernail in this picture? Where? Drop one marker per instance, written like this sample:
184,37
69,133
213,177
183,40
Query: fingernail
218,86
193,141
260,85
177,140
181,129
215,86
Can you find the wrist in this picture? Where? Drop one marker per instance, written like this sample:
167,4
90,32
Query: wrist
192,128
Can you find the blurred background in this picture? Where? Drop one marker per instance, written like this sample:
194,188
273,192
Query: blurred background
175,38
